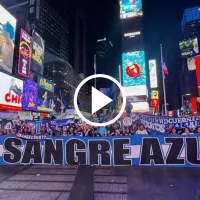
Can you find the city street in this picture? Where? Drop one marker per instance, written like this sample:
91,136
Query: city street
88,183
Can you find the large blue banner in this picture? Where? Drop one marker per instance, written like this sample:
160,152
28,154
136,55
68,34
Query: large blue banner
172,151
160,124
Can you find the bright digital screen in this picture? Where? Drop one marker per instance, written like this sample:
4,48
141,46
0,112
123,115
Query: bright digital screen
10,92
134,69
153,74
140,107
130,8
24,59
189,47
136,91
7,39
191,63
30,95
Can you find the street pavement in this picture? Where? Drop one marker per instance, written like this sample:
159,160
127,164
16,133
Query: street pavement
42,182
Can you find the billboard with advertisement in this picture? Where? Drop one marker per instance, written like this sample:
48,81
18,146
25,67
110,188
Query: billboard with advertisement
140,107
10,92
45,83
7,39
153,74
134,69
136,91
45,100
45,95
197,63
30,95
130,8
155,99
191,64
24,59
189,47
37,54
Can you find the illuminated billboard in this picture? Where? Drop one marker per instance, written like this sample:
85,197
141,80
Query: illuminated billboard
153,74
7,39
155,99
134,69
130,8
136,91
140,107
191,64
45,94
30,95
189,47
10,92
37,54
24,59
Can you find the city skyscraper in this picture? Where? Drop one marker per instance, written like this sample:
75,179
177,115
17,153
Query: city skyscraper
189,48
134,75
104,56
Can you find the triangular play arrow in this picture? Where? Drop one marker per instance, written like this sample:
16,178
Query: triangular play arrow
99,100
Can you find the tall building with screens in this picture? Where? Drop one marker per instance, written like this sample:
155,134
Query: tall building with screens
189,50
134,75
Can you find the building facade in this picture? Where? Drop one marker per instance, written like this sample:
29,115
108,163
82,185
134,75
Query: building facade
104,56
79,46
189,48
66,81
134,72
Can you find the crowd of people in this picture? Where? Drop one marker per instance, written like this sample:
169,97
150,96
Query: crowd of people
74,129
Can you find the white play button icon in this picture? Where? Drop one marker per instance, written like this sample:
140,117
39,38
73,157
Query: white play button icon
99,100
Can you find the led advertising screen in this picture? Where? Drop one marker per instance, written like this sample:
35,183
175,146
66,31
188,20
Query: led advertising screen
153,74
10,92
154,99
45,83
191,64
45,94
133,69
136,91
7,39
37,54
189,47
130,8
45,100
24,59
30,95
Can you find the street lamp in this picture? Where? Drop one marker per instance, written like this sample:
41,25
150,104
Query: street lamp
182,98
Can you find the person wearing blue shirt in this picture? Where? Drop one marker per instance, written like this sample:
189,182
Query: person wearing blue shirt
102,131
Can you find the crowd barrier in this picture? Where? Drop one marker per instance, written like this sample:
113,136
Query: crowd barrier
172,151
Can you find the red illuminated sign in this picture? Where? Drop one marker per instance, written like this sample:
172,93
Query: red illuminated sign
197,62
